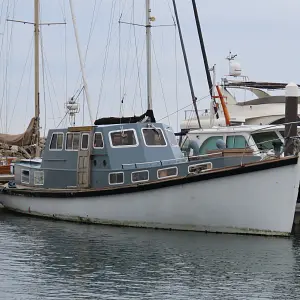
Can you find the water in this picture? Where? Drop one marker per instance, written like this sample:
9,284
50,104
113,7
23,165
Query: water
44,259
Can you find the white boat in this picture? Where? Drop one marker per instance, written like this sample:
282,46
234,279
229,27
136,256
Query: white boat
263,108
233,200
131,172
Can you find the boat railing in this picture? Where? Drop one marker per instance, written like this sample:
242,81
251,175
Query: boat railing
190,113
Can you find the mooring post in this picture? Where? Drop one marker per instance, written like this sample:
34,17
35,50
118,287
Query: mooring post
291,115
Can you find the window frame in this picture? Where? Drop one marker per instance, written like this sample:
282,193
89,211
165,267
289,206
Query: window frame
79,146
63,139
98,133
88,141
118,183
123,146
137,181
170,176
154,146
22,181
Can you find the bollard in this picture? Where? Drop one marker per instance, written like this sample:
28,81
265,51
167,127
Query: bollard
291,115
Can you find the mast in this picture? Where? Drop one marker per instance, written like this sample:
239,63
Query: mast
213,94
148,46
37,73
209,81
81,63
194,99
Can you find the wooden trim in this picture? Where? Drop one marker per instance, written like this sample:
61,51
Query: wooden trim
80,128
232,152
5,169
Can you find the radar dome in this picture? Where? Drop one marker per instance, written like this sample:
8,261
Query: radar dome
235,69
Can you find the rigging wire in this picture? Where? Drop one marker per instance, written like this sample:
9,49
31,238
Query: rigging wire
1,11
91,30
160,80
1,54
29,86
79,93
184,107
7,68
176,66
138,82
176,78
62,120
22,76
137,63
112,13
129,44
45,78
63,10
47,68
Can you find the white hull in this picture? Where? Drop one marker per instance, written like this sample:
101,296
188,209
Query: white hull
261,202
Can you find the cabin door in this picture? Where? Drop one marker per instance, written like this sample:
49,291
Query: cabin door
84,161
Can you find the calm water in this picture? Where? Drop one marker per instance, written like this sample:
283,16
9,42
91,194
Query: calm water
42,259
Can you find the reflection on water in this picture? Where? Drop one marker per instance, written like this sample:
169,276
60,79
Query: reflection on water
44,259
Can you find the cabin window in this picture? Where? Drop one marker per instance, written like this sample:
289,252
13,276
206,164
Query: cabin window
210,144
124,138
236,141
168,172
85,141
264,140
57,141
72,142
116,178
98,140
25,176
140,176
154,137
171,137
198,168
38,177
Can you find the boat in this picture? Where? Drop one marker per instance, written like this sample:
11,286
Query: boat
5,169
13,147
133,173
115,174
262,108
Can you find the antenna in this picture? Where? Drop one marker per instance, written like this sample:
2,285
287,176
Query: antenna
233,66
231,57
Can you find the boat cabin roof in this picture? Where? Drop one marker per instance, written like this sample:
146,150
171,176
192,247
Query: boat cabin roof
238,129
